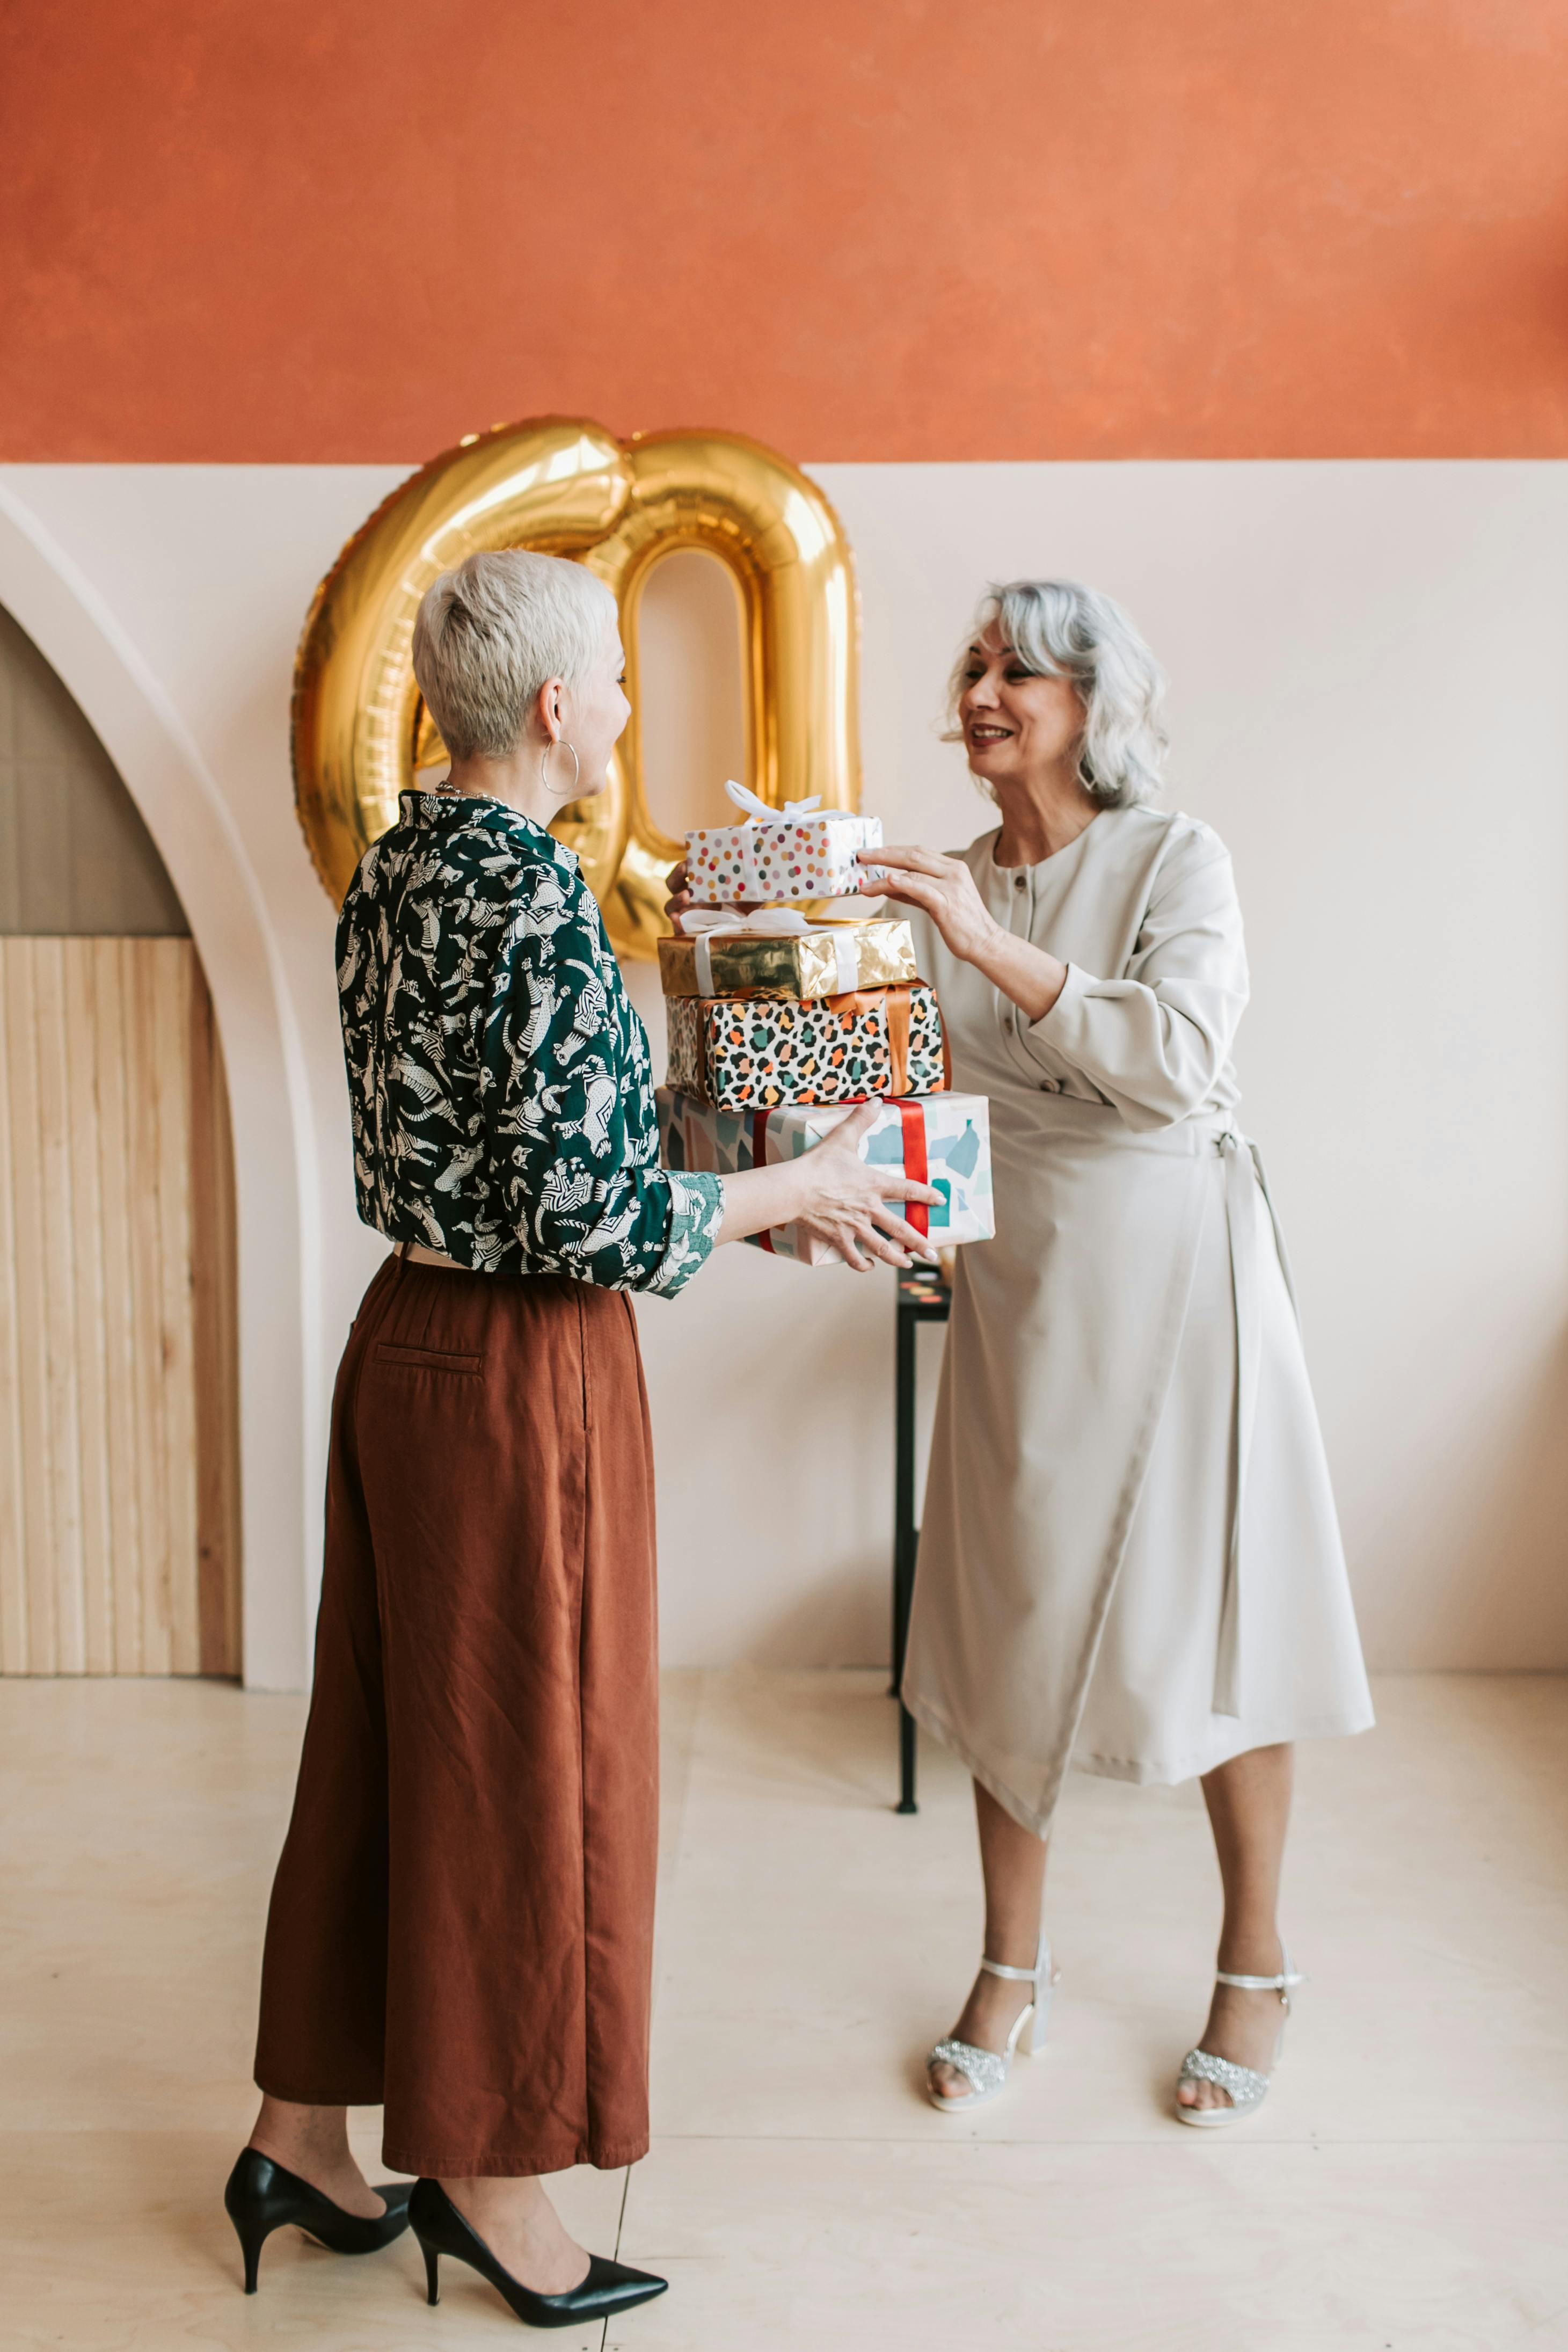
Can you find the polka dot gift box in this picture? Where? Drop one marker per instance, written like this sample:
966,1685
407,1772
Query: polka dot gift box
778,854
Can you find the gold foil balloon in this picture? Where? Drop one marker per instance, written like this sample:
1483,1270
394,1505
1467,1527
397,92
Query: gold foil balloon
568,488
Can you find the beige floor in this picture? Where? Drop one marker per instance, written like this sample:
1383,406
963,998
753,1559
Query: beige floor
1407,2186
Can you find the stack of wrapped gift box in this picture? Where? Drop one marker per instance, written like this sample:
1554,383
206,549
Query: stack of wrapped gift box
778,1026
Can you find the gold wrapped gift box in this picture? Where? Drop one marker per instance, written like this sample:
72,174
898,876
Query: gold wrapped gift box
831,961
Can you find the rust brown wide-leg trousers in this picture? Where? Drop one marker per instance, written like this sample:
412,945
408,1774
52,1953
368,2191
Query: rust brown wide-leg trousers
461,1920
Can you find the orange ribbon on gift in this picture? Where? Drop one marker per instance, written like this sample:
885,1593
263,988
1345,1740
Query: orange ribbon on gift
899,999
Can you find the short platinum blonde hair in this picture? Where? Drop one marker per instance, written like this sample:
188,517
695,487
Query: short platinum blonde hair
489,635
1058,628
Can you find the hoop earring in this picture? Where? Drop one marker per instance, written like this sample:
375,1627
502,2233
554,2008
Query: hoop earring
544,766
1085,767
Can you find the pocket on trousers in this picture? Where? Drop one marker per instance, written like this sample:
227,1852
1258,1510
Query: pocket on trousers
429,1360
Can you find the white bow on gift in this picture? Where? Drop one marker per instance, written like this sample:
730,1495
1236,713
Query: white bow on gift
777,921
757,810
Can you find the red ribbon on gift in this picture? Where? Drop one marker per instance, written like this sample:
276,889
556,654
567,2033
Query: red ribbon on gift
916,1166
915,1163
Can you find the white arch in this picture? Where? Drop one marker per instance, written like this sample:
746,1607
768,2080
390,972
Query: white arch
282,1412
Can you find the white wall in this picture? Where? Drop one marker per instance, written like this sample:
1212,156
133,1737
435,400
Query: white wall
1368,701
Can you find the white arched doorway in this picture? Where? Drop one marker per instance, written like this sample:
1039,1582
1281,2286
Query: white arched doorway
281,1411
119,1540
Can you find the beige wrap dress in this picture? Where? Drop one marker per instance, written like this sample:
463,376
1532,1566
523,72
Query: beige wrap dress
1129,1556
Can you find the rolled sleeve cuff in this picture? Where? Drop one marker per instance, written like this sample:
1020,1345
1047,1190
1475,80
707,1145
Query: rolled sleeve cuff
1061,1029
696,1212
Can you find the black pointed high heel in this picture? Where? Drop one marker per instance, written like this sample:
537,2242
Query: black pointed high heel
261,2197
609,2287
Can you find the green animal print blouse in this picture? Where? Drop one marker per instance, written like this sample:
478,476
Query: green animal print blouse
499,1077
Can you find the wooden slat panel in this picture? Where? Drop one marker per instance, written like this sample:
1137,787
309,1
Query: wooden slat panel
111,989
213,1286
12,1522
157,1596
118,1481
170,964
28,1195
226,1253
59,1306
88,1348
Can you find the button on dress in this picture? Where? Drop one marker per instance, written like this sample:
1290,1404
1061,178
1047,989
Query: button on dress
1130,1560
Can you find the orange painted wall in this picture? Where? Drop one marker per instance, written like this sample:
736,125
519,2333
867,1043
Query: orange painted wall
353,229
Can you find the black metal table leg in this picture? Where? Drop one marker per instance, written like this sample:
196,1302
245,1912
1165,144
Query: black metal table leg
905,1540
922,1298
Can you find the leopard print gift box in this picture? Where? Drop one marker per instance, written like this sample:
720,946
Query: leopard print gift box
756,1053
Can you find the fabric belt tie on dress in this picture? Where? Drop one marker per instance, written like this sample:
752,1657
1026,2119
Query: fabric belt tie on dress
1243,1165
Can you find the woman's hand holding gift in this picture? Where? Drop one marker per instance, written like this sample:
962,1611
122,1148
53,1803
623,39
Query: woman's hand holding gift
835,1197
846,1200
678,881
944,889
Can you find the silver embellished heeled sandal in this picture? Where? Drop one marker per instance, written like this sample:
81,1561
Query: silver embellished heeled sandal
1244,2087
986,2070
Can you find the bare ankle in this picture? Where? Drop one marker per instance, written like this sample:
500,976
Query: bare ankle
1014,1946
1252,1949
517,2199
290,2133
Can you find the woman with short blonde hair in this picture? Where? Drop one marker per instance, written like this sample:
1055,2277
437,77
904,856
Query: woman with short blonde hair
460,1924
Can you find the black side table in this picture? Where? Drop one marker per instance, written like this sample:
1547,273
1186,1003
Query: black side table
923,1297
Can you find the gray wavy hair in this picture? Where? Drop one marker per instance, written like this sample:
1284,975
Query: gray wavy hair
490,634
1058,628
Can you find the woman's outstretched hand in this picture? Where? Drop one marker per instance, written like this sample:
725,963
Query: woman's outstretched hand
941,888
846,1202
835,1197
944,889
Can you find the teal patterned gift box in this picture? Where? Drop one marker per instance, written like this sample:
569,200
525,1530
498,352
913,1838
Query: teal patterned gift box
950,1133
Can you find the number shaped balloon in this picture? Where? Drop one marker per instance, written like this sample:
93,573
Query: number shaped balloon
568,488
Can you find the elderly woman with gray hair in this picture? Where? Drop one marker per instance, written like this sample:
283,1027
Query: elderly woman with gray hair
460,1924
1129,1559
